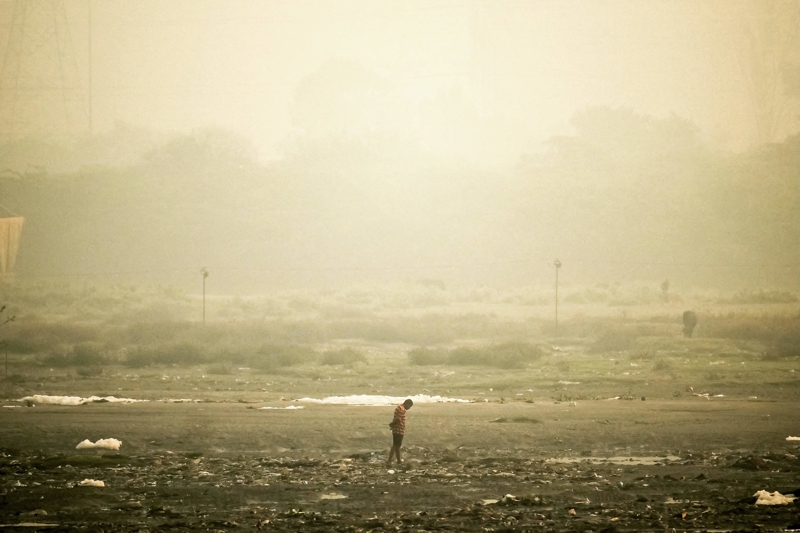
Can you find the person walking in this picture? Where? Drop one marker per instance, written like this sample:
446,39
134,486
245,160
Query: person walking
398,427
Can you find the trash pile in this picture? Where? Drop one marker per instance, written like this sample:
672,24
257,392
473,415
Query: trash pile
454,490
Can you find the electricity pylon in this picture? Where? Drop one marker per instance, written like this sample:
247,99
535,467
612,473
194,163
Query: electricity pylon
41,94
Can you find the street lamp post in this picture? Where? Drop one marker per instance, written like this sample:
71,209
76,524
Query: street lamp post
558,265
204,272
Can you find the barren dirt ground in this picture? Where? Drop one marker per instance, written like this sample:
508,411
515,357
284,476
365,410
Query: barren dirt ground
597,465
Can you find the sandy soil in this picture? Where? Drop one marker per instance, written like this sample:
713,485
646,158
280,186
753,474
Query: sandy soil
684,464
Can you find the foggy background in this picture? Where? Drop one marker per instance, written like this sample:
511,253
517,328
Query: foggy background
319,143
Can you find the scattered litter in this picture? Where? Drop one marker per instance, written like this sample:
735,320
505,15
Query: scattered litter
773,498
570,382
76,400
619,460
505,499
108,444
12,406
332,496
29,524
278,408
379,401
91,483
614,398
390,471
792,438
708,396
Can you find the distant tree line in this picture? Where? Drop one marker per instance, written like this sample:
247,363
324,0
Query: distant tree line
624,188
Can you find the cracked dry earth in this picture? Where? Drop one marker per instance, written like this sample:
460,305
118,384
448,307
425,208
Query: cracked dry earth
226,468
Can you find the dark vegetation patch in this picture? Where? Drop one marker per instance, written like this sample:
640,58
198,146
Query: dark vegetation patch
516,420
782,329
613,341
759,297
343,356
509,355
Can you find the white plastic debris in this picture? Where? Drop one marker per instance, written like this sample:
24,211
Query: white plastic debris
279,408
108,444
91,483
773,498
370,400
75,400
708,396
792,438
332,496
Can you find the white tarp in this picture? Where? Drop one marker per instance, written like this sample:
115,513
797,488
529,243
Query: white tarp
91,483
371,400
108,444
75,400
773,498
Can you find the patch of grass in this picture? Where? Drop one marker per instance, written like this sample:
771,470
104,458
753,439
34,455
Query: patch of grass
272,357
36,335
86,355
562,365
517,420
759,297
427,356
89,371
749,326
344,356
662,365
613,341
508,355
181,353
220,369
641,355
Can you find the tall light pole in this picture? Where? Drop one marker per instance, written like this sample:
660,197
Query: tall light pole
204,272
558,265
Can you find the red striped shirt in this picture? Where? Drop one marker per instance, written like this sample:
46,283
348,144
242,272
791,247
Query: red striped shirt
398,424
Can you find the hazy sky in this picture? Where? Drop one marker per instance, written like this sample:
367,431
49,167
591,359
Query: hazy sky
522,67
